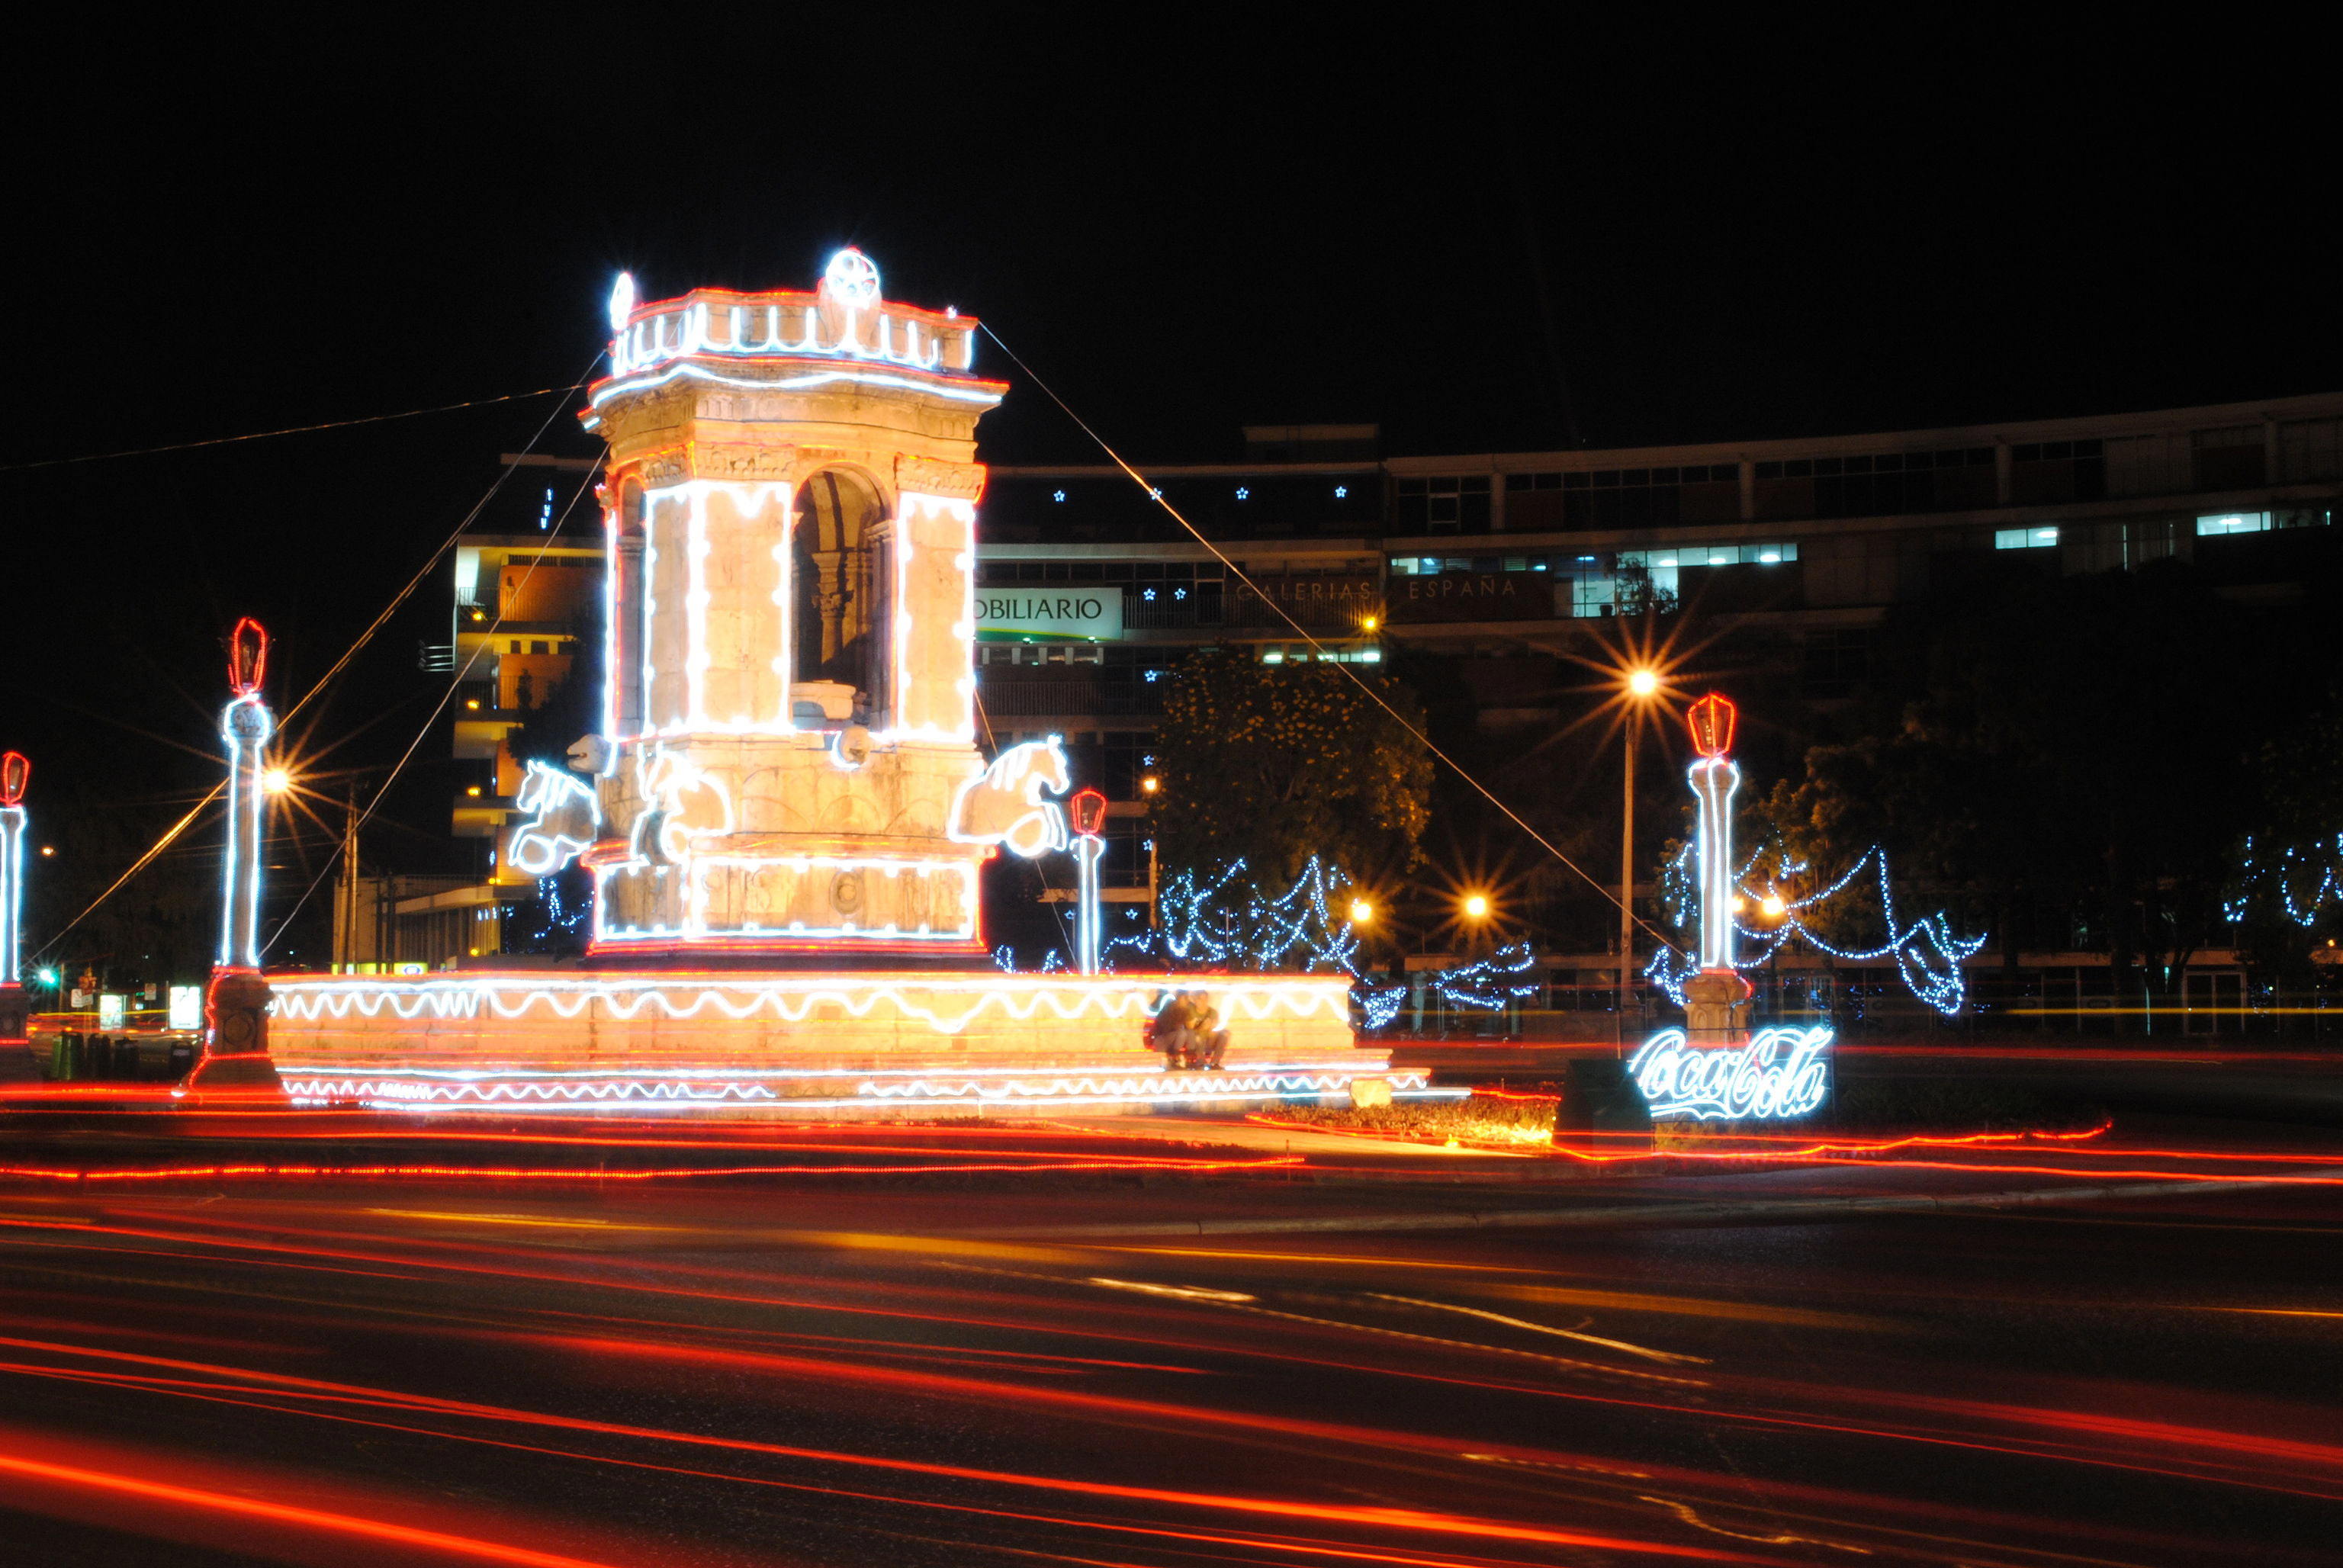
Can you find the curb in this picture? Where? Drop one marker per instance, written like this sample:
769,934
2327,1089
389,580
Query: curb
1664,1214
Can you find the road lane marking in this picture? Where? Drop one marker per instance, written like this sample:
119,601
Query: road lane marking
1544,1329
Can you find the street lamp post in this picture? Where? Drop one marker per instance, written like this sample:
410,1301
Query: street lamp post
16,1064
1641,685
236,1004
1716,1000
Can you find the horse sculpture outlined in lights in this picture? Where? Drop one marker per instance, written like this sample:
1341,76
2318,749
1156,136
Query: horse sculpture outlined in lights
1003,804
564,819
681,806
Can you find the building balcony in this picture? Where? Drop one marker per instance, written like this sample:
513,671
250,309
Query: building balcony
472,633
1243,612
479,738
481,816
1049,698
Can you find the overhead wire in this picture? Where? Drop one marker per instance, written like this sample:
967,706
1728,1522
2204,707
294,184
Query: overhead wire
1155,494
510,467
288,430
455,684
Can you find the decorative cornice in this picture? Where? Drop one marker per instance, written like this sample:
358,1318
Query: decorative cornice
930,477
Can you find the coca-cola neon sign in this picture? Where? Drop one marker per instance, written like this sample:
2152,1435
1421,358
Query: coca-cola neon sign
1782,1072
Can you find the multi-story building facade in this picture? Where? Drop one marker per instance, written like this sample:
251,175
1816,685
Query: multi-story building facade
526,599
1516,552
1090,593
1794,551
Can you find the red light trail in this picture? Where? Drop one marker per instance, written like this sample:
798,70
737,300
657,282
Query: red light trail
1421,1520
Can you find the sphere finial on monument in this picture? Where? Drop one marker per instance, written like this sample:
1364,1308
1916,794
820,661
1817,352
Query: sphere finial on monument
851,278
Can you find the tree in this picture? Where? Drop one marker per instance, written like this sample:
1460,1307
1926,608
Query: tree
2289,865
1273,763
570,710
2061,760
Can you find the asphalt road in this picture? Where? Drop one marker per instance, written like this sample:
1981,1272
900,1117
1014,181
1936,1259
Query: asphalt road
973,1368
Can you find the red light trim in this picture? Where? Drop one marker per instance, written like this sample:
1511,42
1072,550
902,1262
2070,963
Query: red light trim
247,656
540,1173
1436,1523
16,772
1712,720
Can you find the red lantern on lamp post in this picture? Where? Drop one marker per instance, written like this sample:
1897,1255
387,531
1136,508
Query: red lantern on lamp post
247,656
1087,811
1711,720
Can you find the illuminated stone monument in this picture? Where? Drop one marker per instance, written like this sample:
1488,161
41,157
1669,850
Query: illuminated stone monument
785,810
791,499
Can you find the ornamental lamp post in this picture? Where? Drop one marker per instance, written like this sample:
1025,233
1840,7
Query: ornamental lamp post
246,725
16,1063
1641,685
1716,1000
235,1005
1087,807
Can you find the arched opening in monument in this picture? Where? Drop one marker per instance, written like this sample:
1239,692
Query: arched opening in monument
625,652
841,596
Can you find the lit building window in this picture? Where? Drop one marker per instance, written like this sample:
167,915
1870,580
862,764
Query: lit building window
2024,539
2233,523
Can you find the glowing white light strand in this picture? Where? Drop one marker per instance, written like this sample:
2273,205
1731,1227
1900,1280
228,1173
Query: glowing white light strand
686,1091
1927,954
2257,876
1714,781
12,891
1003,802
564,816
1202,924
868,330
935,386
1483,985
950,1004
246,725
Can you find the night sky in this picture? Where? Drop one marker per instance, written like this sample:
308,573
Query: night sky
1482,239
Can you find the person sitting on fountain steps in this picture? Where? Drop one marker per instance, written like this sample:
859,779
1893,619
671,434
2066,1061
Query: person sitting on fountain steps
1187,1030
